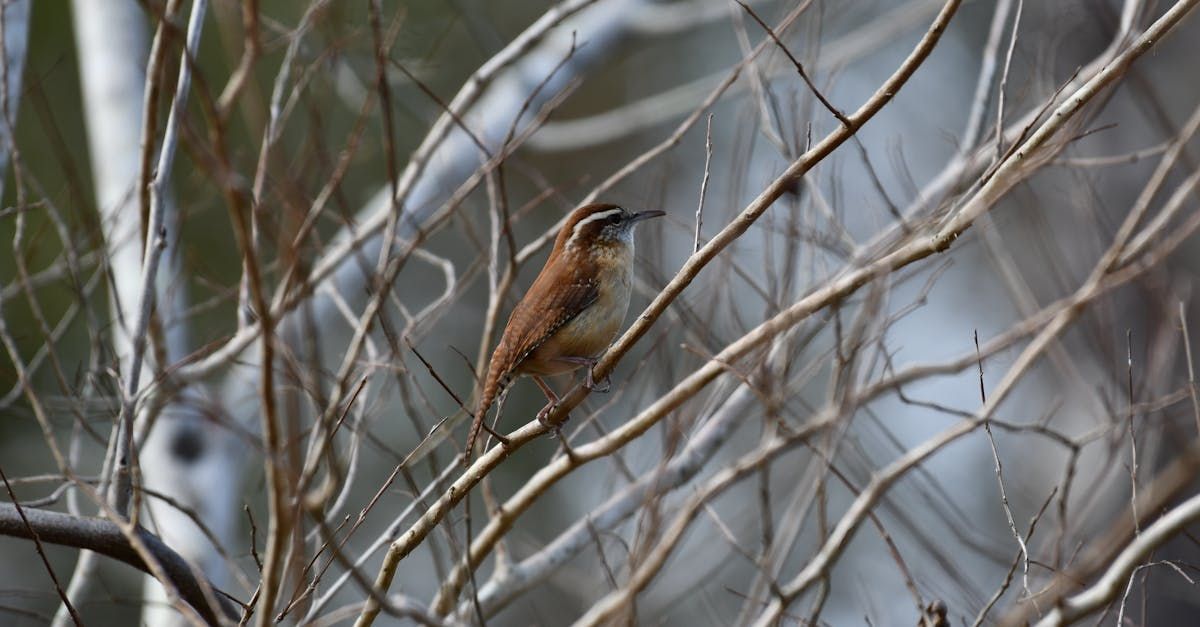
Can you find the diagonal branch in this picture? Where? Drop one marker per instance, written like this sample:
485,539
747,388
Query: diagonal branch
834,292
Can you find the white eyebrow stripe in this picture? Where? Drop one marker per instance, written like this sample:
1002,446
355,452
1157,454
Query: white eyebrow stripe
600,215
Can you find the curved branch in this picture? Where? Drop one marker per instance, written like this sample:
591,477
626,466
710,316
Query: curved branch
106,538
1113,582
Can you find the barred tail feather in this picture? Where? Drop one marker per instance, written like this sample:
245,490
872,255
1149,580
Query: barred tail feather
476,425
490,388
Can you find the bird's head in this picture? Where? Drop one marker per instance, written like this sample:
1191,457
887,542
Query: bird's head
601,225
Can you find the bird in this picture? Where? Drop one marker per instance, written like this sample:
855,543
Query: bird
572,312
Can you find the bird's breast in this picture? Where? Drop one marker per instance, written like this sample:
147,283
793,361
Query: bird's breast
594,328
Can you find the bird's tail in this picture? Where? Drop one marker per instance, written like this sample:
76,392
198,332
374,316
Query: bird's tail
491,387
476,425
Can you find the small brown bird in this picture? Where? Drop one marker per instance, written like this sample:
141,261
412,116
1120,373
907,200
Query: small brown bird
573,310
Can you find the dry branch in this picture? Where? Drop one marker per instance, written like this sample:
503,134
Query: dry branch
106,538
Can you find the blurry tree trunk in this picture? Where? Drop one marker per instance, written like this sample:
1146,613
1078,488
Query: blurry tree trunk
15,34
111,80
184,451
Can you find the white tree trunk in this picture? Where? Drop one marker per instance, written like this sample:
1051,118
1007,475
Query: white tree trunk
185,455
15,41
110,39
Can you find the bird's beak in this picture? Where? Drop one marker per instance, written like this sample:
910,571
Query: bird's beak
646,215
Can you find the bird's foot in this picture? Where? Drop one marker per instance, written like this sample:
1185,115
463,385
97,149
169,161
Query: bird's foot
589,381
543,418
544,414
556,429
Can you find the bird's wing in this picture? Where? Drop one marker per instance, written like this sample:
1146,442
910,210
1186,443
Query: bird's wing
543,312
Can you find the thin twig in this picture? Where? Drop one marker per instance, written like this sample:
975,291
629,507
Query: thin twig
1012,525
37,540
1002,91
156,243
1191,366
703,183
1133,461
799,67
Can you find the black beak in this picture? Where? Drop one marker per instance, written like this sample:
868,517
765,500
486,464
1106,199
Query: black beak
646,215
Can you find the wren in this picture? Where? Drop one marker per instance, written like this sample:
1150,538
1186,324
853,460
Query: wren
573,310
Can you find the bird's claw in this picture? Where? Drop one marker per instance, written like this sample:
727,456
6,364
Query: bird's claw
544,413
589,381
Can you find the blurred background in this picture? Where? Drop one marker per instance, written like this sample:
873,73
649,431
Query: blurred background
337,103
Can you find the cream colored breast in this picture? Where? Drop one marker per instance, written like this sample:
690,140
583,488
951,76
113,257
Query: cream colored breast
597,326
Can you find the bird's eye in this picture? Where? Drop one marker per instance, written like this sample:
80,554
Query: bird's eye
614,219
